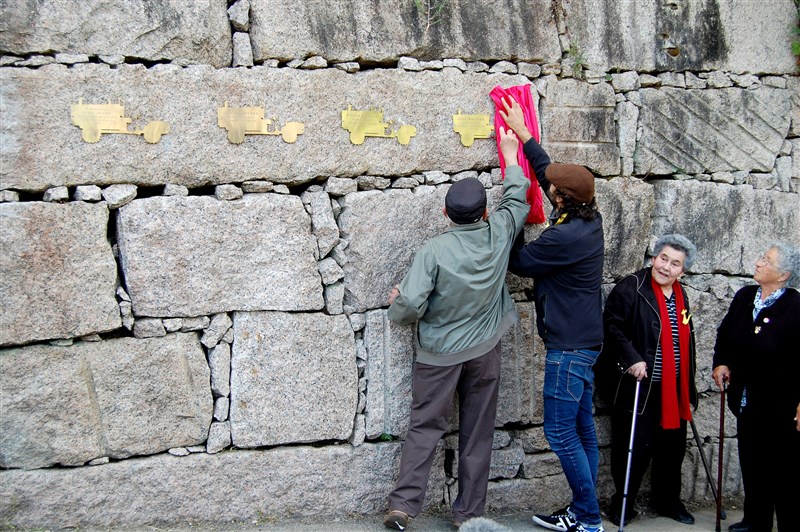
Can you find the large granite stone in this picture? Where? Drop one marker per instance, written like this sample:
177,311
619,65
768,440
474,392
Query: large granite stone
58,276
384,230
173,30
690,35
578,125
626,205
718,130
234,486
390,358
197,152
519,398
115,398
385,30
191,256
731,225
293,378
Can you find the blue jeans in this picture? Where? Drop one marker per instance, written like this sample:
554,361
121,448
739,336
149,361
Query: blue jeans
569,426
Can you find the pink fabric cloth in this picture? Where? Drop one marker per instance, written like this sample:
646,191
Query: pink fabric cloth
522,94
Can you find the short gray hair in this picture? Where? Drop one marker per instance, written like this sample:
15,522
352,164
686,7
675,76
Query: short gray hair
788,261
679,242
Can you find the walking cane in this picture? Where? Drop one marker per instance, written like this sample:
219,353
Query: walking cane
630,454
721,444
710,479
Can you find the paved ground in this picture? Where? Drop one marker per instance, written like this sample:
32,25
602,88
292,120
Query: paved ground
705,520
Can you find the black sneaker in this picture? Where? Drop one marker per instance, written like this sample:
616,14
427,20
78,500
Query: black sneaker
561,520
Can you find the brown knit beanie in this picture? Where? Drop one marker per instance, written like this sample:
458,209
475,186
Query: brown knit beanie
573,180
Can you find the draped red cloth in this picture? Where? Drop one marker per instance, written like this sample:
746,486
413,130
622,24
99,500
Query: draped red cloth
522,94
675,403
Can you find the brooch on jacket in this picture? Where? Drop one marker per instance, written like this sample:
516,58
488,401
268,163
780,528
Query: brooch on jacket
686,317
758,327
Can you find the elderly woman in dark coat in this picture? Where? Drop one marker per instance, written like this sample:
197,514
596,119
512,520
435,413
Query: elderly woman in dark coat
758,353
649,337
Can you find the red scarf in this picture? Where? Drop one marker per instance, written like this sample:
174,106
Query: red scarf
522,94
674,399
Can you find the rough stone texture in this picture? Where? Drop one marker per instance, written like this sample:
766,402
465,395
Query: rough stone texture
56,271
696,35
276,389
239,13
195,32
227,192
385,30
323,225
87,193
626,205
222,406
578,125
148,328
242,50
220,324
116,398
732,226
219,437
118,195
219,360
519,400
189,256
234,486
407,220
56,195
690,131
198,153
390,352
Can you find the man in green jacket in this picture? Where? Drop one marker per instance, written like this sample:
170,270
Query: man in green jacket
456,289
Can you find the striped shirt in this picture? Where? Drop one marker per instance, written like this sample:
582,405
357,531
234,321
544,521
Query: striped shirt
672,310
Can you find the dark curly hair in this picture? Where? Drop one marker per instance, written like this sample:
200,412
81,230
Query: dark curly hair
586,211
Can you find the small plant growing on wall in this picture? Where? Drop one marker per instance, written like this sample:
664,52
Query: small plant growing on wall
431,11
579,63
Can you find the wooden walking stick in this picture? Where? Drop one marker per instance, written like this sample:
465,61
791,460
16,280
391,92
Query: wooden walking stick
709,476
721,447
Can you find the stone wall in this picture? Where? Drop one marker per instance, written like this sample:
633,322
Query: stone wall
195,331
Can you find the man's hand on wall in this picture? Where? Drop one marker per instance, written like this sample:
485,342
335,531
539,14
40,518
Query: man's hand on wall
515,119
394,293
509,145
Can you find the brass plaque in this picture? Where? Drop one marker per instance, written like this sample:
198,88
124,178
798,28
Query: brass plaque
363,124
471,127
241,121
96,119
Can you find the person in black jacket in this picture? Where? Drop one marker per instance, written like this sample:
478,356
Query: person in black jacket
758,353
566,262
649,337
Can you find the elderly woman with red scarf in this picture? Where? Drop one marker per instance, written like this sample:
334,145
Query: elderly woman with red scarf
649,337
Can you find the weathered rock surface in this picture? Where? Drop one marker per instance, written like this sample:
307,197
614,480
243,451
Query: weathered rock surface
691,131
233,486
697,35
197,152
731,225
578,125
116,398
407,220
390,358
293,378
385,30
519,399
189,256
626,205
58,276
195,32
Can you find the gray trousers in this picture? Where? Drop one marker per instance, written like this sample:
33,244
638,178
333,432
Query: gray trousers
476,382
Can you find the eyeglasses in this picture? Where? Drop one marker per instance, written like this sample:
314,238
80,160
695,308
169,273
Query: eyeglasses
763,260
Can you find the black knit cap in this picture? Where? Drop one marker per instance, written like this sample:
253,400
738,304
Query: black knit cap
465,201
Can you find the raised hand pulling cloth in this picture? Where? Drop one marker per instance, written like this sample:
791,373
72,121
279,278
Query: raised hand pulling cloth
522,94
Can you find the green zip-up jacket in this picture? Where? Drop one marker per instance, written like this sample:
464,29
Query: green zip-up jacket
456,284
